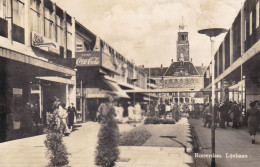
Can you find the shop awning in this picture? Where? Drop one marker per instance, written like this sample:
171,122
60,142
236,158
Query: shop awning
116,89
57,79
36,61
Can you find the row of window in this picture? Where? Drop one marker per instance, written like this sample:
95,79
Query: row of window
251,28
35,20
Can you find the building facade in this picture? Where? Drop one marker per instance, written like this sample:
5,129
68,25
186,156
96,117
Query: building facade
102,71
35,36
237,57
46,54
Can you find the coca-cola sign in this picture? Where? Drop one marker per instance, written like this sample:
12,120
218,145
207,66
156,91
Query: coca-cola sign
88,59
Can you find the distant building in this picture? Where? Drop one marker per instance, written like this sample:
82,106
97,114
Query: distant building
181,76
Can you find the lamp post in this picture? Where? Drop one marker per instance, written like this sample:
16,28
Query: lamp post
212,32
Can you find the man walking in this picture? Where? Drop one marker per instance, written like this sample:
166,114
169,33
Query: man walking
71,115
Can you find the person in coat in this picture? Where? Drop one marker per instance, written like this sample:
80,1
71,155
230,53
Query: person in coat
236,115
253,120
208,116
71,115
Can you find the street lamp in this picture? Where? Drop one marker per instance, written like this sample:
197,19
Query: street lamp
212,32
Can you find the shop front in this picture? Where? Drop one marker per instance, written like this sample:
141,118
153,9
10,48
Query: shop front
30,84
93,85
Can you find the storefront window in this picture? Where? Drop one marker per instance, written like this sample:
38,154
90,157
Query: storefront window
250,23
79,44
18,12
69,36
48,26
257,15
35,16
17,107
3,9
59,30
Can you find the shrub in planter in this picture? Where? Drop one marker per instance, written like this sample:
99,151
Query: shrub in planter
152,120
107,151
134,138
156,120
56,149
168,121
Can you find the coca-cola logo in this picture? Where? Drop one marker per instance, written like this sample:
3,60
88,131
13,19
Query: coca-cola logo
88,61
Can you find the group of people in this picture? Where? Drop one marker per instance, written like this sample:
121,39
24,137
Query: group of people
228,111
64,117
31,116
135,112
225,112
175,110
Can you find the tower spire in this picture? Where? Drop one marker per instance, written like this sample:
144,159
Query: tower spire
182,24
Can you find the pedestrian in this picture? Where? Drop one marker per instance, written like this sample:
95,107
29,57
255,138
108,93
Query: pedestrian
56,113
196,110
168,109
223,108
207,116
191,111
253,120
63,114
72,113
156,109
27,118
162,109
201,109
138,112
131,111
175,111
36,114
228,113
236,115
120,112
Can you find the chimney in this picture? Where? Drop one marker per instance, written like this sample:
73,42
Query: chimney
202,64
172,60
161,66
191,59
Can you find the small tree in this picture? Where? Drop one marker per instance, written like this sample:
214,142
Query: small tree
56,149
108,139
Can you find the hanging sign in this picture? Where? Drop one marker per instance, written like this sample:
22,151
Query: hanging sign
44,43
88,58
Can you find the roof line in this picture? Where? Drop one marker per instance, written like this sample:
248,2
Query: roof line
195,68
167,70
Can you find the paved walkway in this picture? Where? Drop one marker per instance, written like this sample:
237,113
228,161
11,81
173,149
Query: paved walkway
228,141
81,144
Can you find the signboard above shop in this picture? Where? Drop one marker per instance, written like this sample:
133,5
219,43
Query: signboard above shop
97,58
88,59
43,43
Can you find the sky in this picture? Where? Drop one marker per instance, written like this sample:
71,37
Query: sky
145,31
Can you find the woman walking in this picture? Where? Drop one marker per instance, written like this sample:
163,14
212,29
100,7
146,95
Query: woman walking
253,120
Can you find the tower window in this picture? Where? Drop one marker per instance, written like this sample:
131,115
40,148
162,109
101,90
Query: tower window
183,37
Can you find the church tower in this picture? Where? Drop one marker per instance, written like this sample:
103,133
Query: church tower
183,53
